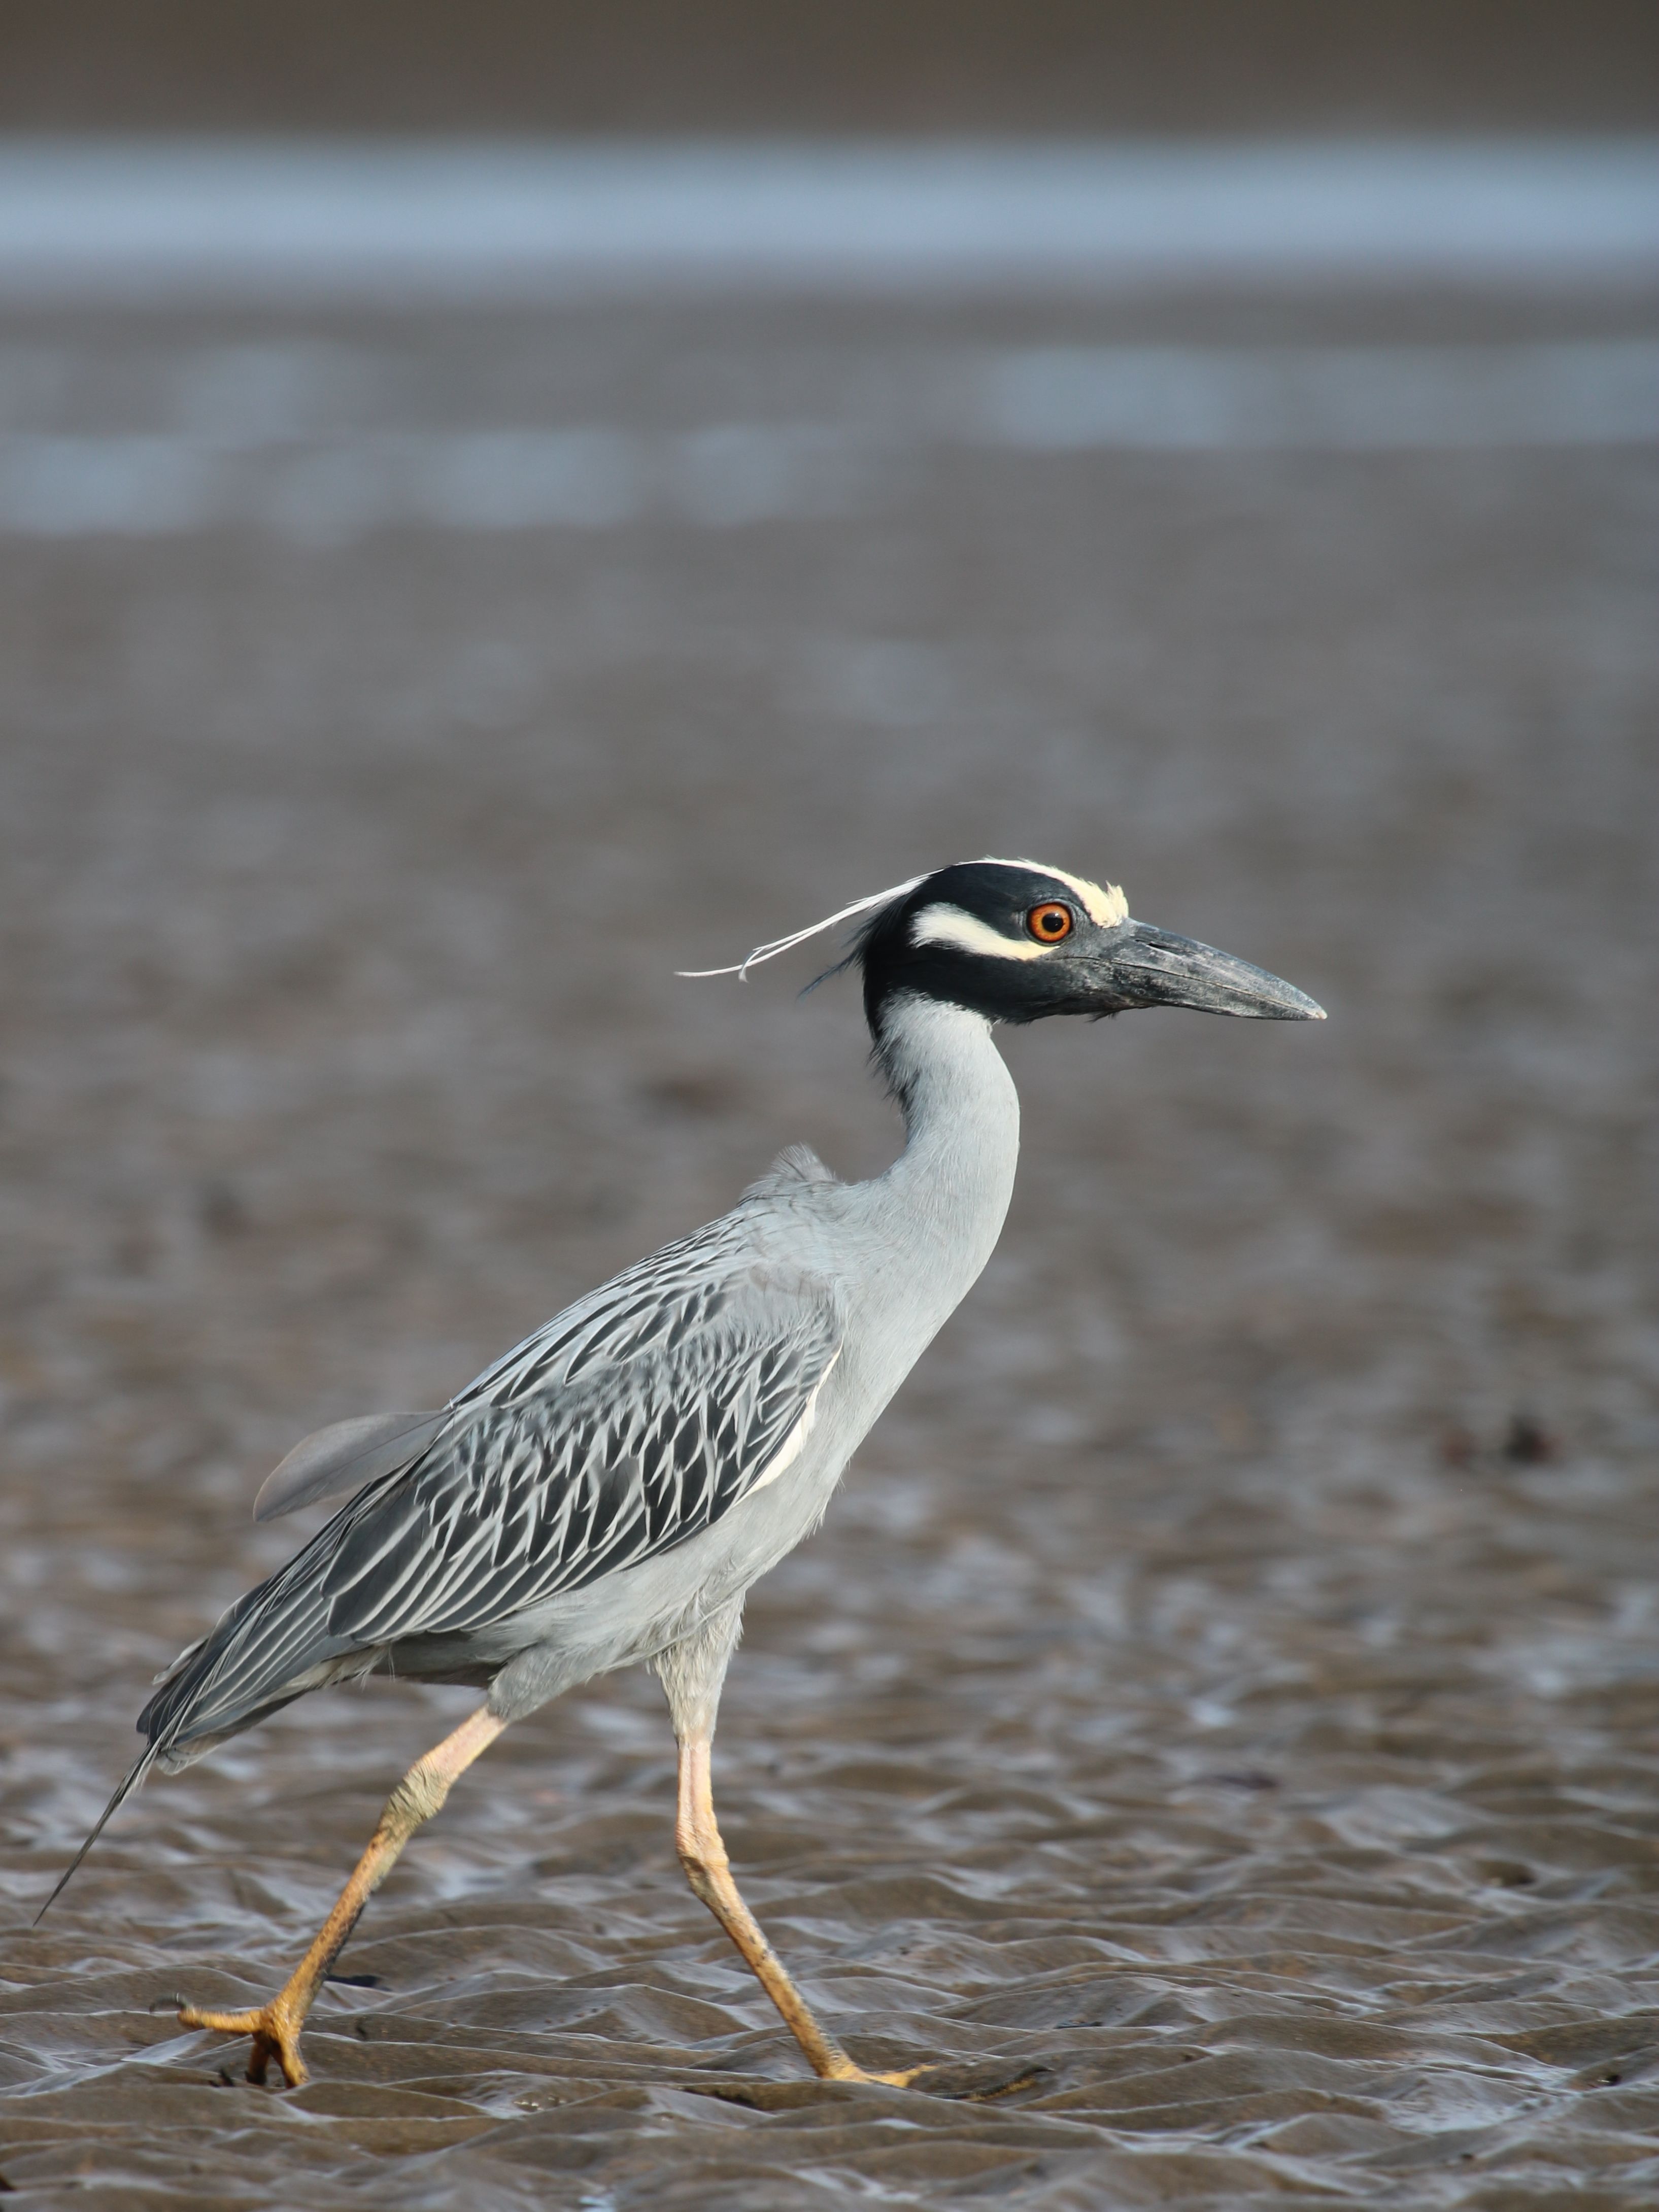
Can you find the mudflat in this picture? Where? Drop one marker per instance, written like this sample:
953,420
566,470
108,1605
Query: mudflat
1216,1720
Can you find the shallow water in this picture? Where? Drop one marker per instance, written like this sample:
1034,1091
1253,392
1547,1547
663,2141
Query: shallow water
1221,1702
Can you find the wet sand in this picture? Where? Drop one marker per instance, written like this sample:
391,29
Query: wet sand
1221,1702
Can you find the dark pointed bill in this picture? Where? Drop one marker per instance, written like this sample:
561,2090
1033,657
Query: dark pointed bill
1155,967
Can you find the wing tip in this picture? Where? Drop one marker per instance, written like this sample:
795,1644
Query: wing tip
129,1783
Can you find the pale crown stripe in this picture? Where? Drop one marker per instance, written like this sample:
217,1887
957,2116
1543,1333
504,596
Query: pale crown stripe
1104,903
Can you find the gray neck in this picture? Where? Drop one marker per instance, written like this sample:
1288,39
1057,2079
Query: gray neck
950,1186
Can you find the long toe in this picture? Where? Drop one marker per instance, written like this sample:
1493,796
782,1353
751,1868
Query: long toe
850,2072
275,2034
968,2082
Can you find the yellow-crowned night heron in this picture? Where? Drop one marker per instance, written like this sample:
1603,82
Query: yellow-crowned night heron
606,1493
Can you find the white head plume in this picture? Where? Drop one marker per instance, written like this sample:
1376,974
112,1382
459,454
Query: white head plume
763,952
1105,903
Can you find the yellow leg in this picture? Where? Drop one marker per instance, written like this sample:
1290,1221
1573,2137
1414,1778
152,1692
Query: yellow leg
698,1840
275,2026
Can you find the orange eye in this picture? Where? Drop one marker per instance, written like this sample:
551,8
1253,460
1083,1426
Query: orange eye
1051,922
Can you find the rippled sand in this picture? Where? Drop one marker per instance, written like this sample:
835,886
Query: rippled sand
1216,1723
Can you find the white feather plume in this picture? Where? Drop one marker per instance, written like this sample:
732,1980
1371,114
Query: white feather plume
763,952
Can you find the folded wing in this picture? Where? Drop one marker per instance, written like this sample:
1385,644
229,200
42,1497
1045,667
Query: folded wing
671,1410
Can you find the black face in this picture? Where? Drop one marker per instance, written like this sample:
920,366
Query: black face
1014,942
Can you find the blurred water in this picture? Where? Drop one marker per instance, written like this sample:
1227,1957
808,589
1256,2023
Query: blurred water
311,446
146,220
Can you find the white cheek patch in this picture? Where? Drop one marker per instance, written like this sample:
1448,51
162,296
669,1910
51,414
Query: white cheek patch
1104,903
950,925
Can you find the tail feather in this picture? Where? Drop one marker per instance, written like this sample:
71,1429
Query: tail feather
133,1779
270,1647
263,1652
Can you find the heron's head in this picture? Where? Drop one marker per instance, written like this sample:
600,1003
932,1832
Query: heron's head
1014,940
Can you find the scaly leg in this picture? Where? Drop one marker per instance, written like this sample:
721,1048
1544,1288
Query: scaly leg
275,2026
698,1840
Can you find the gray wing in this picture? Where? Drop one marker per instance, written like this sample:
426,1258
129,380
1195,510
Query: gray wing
615,1460
548,1493
665,1295
661,1301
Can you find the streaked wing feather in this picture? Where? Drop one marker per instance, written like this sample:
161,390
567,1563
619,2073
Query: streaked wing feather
631,1423
574,1482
